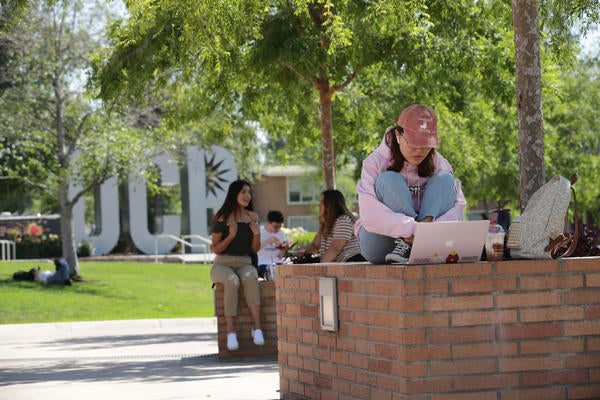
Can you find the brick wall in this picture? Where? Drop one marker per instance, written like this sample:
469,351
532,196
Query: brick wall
499,331
248,350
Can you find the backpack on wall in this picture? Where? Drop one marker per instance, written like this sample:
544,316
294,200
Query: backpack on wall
539,232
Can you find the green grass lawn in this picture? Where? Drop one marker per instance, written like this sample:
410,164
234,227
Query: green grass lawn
114,290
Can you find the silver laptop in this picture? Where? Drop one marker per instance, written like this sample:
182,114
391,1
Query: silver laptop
448,242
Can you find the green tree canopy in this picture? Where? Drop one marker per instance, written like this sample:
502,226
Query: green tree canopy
11,11
56,132
300,70
572,142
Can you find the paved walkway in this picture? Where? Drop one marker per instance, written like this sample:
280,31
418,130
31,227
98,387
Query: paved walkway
167,359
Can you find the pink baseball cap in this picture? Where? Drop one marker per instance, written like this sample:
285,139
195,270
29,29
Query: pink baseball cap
420,126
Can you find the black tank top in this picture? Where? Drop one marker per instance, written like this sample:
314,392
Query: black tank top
241,245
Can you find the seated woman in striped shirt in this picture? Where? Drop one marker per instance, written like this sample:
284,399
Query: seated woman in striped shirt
335,241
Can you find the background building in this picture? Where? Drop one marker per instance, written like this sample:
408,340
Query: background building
294,190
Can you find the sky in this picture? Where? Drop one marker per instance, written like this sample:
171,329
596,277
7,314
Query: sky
591,43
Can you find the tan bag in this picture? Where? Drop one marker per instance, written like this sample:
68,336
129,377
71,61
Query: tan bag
539,232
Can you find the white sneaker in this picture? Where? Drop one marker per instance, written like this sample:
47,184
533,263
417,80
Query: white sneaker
258,337
400,254
232,342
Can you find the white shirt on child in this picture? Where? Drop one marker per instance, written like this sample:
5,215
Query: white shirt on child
270,254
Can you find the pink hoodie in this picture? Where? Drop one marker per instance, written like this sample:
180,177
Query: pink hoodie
377,217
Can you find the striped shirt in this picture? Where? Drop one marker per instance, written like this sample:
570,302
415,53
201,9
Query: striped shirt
343,228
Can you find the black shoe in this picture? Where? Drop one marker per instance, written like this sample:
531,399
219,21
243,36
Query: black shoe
400,254
68,282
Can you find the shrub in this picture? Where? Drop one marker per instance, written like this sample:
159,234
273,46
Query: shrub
587,245
299,235
85,249
28,247
32,240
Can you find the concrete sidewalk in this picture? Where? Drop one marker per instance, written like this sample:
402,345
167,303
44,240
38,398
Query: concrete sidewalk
136,359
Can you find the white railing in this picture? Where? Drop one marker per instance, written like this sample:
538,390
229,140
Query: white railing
8,247
207,245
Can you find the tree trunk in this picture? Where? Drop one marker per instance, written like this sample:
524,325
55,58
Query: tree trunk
532,173
67,234
328,152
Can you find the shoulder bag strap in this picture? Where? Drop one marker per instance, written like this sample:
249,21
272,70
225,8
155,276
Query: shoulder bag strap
564,245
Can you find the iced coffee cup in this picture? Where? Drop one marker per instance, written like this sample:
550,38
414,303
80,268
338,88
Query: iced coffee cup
494,246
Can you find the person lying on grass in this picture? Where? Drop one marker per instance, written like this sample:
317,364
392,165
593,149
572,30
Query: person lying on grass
59,277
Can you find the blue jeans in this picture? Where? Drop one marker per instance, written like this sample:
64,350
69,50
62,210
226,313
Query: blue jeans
392,190
62,273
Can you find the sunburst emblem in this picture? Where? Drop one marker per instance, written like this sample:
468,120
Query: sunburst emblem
215,176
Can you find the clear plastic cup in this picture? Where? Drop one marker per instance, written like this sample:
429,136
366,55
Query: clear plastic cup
271,272
494,246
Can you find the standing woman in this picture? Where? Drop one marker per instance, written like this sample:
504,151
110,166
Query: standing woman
235,234
335,241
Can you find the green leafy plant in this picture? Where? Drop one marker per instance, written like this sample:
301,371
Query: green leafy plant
85,249
299,235
33,241
587,245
